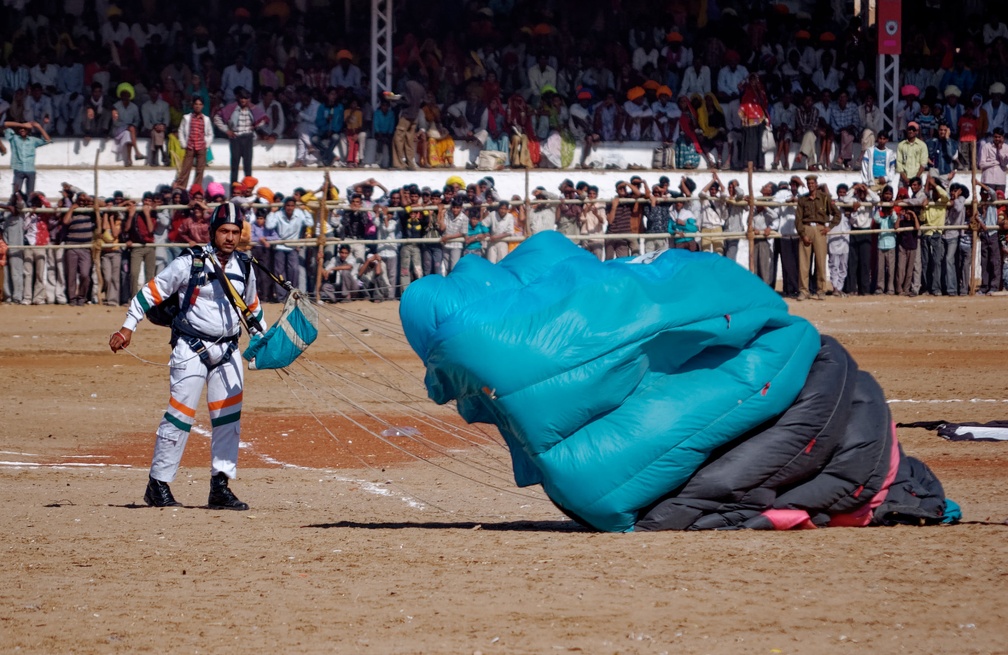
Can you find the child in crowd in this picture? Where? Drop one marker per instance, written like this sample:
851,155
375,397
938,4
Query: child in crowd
477,235
886,218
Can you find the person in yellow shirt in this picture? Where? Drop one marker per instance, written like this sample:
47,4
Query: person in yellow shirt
911,156
932,245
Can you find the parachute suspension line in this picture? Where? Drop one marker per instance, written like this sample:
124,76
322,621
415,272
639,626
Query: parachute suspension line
408,453
364,463
437,449
501,466
387,328
426,418
392,365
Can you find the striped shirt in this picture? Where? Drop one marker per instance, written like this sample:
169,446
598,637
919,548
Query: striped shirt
197,140
243,122
81,229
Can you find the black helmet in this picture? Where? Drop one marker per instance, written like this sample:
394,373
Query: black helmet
225,214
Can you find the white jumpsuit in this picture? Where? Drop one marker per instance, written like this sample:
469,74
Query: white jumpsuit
210,314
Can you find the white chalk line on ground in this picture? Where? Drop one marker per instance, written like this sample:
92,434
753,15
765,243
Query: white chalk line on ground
365,485
914,401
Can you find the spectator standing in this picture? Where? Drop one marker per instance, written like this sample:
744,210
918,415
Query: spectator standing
262,248
388,250
861,215
957,245
502,227
990,249
838,247
306,111
816,215
993,159
139,228
943,151
885,218
592,222
543,216
195,136
404,144
80,227
911,155
36,233
711,220
878,163
454,228
13,232
23,145
932,252
620,216
754,114
763,222
111,258
289,222
476,236
239,120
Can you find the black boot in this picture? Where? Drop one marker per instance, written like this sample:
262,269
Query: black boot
159,495
221,497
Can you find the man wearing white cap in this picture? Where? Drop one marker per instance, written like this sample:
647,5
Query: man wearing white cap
997,111
992,160
953,110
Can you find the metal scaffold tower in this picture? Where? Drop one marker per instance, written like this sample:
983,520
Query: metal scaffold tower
381,48
888,95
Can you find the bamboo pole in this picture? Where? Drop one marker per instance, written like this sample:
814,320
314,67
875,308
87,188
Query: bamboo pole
96,243
751,230
323,216
974,196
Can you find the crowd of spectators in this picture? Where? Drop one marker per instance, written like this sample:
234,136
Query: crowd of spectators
868,238
520,83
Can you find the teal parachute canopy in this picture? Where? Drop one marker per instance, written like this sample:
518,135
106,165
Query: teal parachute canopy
611,382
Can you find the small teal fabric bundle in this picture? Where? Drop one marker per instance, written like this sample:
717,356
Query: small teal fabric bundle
290,336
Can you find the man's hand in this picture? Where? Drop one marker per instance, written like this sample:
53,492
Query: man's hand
823,230
120,339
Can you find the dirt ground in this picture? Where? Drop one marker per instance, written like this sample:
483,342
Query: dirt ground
418,542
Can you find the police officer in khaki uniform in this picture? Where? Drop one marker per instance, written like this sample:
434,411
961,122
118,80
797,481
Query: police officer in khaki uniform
815,216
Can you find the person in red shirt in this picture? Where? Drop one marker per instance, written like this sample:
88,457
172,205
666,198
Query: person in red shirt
139,229
972,123
195,135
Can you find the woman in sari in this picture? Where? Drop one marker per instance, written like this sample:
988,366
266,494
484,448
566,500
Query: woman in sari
440,146
688,149
496,127
753,112
710,118
524,146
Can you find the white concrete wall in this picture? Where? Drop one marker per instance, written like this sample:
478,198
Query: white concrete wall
70,160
